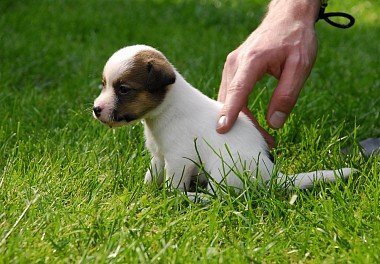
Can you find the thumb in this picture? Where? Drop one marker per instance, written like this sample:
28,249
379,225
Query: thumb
236,98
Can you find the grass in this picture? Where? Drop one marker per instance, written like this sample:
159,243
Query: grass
72,190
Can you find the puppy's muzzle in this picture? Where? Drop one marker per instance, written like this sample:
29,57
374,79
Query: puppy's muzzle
97,110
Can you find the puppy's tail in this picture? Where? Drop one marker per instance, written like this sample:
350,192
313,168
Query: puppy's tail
305,180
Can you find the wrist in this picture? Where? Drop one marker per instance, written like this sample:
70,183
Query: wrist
302,11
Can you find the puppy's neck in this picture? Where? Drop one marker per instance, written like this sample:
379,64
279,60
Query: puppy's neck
179,102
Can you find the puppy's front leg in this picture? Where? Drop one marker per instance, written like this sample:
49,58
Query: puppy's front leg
179,173
156,170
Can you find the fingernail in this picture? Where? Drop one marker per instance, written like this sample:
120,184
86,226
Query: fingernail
221,122
277,119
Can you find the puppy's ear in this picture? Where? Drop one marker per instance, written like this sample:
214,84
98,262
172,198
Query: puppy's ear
160,75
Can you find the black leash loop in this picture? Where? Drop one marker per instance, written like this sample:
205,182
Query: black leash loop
326,17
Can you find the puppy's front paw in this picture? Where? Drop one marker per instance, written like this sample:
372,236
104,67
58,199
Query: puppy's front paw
200,198
148,177
157,178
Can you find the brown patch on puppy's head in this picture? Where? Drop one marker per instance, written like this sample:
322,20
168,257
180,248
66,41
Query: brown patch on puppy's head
139,84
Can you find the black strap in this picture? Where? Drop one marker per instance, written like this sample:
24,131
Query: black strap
326,17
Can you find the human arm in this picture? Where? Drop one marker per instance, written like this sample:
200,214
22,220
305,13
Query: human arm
284,46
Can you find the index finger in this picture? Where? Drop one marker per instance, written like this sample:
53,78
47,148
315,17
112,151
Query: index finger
287,91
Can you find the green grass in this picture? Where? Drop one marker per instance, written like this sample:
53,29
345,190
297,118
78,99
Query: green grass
72,190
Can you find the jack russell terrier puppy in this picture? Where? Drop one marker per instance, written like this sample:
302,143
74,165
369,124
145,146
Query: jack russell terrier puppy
139,83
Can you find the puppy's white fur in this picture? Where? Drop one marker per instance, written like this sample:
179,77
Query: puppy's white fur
180,134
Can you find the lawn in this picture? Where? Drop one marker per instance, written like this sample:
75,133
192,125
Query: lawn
71,190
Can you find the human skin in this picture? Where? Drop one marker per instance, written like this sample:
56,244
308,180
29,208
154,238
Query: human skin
284,45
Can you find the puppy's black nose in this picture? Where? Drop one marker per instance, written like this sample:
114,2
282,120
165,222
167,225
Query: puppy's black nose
97,110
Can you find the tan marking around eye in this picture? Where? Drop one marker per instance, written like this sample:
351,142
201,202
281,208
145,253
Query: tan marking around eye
136,76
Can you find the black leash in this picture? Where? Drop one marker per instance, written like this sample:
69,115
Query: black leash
326,17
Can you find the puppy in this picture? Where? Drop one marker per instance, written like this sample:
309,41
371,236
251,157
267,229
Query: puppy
139,83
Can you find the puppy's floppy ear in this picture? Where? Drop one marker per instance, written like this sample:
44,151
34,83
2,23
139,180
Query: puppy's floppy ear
160,74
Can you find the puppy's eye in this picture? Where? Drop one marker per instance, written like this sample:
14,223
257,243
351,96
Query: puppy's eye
103,85
123,89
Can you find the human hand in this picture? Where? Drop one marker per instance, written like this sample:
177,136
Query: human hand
284,46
